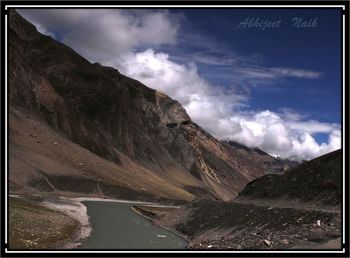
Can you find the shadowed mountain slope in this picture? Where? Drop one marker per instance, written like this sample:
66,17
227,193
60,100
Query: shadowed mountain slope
317,182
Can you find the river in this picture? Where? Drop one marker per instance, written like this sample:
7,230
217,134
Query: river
116,226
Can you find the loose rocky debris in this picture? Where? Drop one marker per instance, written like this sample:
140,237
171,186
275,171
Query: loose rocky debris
215,225
292,237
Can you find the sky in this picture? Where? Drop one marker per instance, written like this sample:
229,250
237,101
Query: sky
266,78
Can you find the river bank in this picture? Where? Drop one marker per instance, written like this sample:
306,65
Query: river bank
31,226
245,226
115,226
76,209
203,225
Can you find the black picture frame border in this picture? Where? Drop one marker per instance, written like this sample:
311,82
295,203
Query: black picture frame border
198,253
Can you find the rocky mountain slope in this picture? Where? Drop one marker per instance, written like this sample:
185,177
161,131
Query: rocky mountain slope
299,209
256,159
317,182
84,129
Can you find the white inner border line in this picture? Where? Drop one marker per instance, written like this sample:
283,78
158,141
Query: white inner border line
344,132
180,251
6,165
185,252
171,6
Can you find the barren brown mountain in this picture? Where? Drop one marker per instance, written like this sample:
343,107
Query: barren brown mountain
298,209
78,128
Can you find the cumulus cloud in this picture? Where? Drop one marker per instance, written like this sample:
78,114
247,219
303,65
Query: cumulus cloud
112,38
217,109
205,103
104,34
283,137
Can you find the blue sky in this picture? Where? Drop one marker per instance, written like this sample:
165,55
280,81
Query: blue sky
277,88
316,49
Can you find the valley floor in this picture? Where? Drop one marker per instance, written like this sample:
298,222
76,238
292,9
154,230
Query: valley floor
44,221
59,222
216,225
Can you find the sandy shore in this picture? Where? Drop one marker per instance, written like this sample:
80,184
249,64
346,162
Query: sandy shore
77,211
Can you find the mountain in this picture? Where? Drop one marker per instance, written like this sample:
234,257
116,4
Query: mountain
256,159
317,182
79,128
300,209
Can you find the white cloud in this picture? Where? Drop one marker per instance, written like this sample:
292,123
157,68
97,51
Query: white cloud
285,138
206,104
111,37
216,109
104,34
298,73
257,72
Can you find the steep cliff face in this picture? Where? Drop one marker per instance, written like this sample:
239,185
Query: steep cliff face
122,121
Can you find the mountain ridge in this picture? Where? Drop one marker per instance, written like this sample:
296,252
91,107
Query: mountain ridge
298,209
114,117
